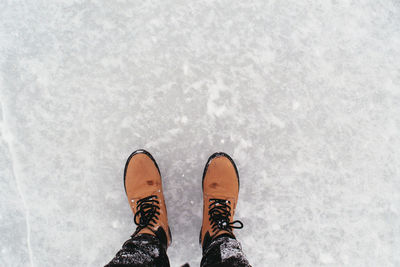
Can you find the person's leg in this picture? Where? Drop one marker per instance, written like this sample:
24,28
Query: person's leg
220,196
224,251
141,251
143,187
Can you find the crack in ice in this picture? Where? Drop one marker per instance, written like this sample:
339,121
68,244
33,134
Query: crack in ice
7,139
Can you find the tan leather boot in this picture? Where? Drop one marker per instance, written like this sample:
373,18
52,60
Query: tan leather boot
143,187
220,195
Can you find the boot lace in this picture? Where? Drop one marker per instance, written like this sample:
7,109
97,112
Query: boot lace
147,212
220,211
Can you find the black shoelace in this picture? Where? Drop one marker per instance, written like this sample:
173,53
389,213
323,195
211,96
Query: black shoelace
219,212
147,212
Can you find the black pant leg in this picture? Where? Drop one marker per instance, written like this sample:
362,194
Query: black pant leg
141,251
224,251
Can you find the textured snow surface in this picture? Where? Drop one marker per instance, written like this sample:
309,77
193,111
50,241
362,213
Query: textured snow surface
305,96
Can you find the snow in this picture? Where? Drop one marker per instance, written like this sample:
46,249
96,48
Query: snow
231,249
304,95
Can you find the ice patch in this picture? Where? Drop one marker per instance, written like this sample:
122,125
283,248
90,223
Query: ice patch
185,69
115,224
215,109
295,105
276,227
184,119
276,121
326,258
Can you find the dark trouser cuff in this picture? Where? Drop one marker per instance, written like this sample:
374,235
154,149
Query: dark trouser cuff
224,251
141,251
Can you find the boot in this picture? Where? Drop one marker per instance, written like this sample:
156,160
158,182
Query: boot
220,195
143,187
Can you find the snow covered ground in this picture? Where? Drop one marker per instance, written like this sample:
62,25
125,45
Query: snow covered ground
305,96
